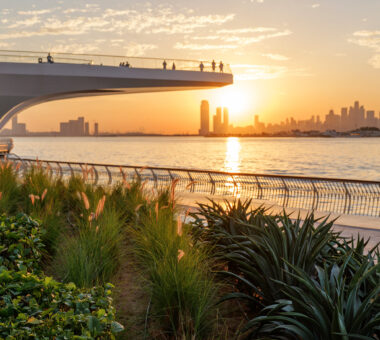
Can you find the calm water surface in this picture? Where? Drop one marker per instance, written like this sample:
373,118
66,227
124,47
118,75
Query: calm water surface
357,158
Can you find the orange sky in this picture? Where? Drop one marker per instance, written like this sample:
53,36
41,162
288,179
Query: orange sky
289,57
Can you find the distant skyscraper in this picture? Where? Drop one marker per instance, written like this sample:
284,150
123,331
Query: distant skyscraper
87,129
218,127
96,129
370,119
205,118
18,129
80,123
74,127
14,124
225,120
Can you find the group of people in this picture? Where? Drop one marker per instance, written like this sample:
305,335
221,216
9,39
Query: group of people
125,64
201,66
165,65
50,60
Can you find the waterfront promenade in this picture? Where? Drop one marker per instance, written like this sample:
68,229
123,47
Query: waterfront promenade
355,211
348,225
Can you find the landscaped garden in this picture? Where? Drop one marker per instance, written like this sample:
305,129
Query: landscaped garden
79,261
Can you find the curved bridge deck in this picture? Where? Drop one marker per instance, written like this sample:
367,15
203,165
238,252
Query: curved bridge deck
28,78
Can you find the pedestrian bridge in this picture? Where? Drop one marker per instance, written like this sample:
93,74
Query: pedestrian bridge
31,78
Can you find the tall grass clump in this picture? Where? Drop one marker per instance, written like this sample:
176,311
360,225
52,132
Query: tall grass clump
9,188
125,197
178,273
91,253
42,199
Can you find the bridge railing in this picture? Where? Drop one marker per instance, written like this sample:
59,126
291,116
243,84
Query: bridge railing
342,196
108,60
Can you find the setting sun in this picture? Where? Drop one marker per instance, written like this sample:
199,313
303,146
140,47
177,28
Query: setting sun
237,99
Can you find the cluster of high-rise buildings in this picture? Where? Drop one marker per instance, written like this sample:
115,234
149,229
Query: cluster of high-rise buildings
220,120
349,119
72,128
77,127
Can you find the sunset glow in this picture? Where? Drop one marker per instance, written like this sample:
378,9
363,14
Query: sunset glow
285,62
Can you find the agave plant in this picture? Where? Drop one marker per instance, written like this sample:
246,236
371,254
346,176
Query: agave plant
215,222
264,259
329,306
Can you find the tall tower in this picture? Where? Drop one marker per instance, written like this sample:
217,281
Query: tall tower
218,121
96,129
205,118
225,120
80,126
87,129
14,124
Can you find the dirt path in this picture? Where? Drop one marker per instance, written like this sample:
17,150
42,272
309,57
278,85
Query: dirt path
130,298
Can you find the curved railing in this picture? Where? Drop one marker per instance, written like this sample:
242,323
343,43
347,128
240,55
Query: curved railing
108,60
342,196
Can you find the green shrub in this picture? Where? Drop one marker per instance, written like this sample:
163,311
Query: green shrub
9,188
20,243
41,308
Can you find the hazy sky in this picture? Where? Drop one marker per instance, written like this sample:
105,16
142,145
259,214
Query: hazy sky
289,57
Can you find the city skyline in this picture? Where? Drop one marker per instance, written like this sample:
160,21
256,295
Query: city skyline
350,119
71,128
287,57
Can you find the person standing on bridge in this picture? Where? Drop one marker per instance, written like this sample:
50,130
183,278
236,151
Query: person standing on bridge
50,59
213,65
173,67
221,67
164,64
201,66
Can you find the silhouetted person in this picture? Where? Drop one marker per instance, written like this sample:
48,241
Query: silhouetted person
201,66
50,59
213,65
121,64
40,60
164,64
127,64
173,67
221,67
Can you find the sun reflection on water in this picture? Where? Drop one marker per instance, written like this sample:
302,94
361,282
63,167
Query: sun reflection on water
232,164
232,160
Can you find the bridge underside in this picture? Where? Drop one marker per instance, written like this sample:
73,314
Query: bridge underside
26,85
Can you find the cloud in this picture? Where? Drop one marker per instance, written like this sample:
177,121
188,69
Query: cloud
146,21
315,6
232,38
26,22
375,61
36,12
371,40
367,38
266,72
203,47
72,48
136,49
277,57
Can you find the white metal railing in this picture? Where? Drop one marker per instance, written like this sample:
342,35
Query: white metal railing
342,196
109,60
